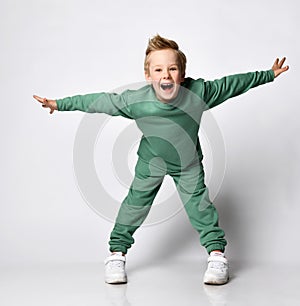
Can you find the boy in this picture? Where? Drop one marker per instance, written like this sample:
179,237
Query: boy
168,112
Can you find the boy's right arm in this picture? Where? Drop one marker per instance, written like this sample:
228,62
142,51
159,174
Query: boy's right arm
108,103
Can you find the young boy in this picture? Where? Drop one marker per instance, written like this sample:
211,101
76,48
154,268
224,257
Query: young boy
168,112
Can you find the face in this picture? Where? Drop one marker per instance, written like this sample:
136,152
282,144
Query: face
164,74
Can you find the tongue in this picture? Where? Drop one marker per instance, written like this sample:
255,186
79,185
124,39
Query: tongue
166,86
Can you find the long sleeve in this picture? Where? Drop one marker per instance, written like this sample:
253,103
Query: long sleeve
108,103
215,92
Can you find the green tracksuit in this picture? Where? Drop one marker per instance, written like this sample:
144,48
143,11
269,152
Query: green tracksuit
169,145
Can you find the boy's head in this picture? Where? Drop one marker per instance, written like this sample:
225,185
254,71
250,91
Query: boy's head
159,43
164,67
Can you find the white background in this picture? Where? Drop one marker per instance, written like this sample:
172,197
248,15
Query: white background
59,48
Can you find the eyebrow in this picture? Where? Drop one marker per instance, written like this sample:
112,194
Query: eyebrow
162,65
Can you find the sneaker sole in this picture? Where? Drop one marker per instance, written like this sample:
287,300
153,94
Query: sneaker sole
116,280
215,281
210,279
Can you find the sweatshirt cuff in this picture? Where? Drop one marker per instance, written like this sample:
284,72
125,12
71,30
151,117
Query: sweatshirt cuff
59,104
271,75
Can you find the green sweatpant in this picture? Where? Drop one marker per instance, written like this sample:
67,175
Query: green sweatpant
193,193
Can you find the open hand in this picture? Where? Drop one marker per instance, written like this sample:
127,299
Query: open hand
46,103
277,67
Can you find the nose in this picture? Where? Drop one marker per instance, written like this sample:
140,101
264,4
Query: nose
166,74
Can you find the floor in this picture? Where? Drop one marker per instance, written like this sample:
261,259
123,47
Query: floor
176,283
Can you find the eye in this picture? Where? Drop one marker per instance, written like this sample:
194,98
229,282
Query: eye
157,70
173,68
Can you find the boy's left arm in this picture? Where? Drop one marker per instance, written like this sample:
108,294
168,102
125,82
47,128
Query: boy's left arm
218,91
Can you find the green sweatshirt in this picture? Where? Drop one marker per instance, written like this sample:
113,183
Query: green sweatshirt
170,130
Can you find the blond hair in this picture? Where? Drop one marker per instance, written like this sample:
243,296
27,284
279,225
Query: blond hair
159,43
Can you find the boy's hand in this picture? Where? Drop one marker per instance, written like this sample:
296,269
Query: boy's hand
277,67
46,103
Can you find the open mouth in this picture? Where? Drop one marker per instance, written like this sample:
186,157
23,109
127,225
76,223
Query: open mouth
166,86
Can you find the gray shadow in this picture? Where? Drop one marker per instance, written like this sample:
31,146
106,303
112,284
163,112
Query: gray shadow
170,242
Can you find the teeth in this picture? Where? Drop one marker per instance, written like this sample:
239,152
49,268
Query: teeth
166,86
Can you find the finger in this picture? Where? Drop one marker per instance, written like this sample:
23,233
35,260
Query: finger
51,111
39,99
45,103
281,70
281,62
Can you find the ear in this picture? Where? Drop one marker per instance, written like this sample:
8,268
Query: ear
182,77
148,77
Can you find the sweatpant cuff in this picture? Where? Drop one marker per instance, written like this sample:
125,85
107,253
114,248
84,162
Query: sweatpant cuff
216,246
118,249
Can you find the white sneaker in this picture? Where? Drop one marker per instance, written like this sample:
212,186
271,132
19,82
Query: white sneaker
115,269
217,270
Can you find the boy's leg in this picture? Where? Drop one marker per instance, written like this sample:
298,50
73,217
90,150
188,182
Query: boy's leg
201,212
136,205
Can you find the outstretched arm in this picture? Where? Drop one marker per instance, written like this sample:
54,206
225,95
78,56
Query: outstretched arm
218,91
277,67
108,103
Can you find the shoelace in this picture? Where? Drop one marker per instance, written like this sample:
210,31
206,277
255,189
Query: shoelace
217,265
116,264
